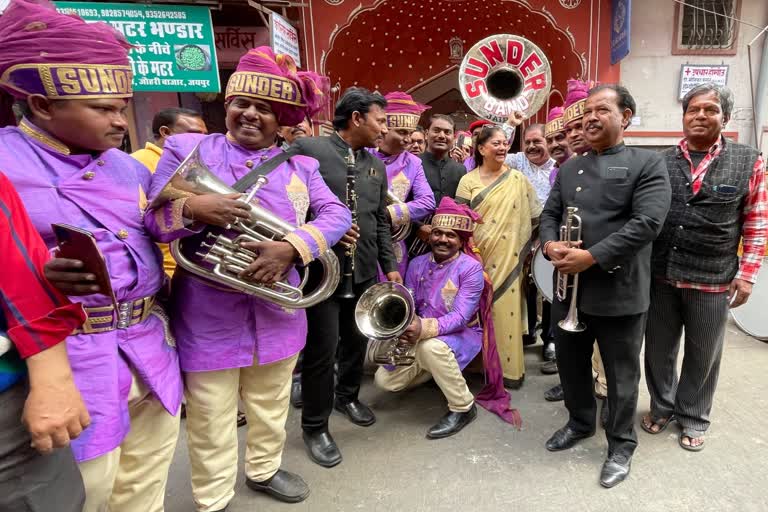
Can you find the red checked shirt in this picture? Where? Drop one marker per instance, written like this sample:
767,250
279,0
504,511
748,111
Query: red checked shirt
38,316
754,231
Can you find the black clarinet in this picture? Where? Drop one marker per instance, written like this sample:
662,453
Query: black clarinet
346,288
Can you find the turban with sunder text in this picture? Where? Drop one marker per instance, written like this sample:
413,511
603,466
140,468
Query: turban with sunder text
60,56
293,95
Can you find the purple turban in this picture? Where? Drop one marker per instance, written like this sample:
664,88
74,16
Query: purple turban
293,95
61,56
402,111
554,121
575,99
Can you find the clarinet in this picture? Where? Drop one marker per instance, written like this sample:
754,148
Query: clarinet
346,288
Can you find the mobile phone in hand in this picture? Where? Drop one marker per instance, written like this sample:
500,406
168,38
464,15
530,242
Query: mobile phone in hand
79,244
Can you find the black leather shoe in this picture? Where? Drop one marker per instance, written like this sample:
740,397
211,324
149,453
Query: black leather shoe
357,412
566,438
322,448
529,339
615,470
549,367
283,486
548,351
241,419
554,394
296,399
604,413
452,423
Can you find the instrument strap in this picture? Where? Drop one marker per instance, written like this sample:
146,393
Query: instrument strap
249,179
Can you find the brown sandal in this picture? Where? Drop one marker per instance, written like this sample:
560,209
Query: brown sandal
662,426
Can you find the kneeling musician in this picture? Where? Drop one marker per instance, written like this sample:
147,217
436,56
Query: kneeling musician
450,292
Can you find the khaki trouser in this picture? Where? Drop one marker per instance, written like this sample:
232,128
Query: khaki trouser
598,372
132,477
434,359
212,399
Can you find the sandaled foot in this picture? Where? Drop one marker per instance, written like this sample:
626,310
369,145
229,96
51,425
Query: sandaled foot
655,426
692,444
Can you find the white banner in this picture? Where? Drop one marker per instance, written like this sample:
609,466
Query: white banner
284,37
692,75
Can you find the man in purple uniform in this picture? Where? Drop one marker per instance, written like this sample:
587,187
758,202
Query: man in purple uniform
405,173
232,344
72,81
453,324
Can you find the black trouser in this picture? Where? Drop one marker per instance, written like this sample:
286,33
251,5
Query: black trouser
531,299
620,339
329,324
30,482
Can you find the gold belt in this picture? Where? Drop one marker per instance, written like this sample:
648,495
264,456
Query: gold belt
121,316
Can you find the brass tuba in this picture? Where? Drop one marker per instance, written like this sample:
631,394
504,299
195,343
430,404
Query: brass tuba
400,232
502,74
383,314
216,255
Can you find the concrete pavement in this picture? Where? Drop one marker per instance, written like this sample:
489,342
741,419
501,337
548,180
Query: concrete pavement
489,466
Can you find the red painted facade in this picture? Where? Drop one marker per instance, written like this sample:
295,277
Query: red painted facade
392,45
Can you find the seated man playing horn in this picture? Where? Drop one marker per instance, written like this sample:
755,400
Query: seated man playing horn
450,292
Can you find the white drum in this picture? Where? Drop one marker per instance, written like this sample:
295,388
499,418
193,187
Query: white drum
541,271
751,317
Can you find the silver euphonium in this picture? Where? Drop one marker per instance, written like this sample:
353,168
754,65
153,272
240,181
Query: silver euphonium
216,254
400,232
570,233
383,314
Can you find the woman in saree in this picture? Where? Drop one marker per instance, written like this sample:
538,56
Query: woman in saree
509,206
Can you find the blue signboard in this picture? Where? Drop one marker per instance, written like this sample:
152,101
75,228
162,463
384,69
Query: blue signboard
620,24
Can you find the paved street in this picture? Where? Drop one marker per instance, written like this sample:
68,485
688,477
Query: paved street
489,466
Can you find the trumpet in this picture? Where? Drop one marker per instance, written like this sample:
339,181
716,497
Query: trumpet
383,314
570,233
216,253
400,232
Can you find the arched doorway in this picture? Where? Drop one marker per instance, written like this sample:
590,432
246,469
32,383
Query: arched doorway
396,45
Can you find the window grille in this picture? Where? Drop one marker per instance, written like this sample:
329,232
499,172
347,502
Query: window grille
704,30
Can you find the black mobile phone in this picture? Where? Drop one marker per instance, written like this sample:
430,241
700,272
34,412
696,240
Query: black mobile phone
460,141
79,244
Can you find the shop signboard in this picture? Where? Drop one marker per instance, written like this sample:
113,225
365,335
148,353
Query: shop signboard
692,75
284,37
174,47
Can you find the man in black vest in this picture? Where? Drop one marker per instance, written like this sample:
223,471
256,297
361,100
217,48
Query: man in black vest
622,195
718,197
359,120
443,173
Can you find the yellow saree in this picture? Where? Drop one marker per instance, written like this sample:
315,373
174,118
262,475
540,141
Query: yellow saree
504,239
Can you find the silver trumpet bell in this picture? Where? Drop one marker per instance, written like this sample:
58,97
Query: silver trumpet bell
216,254
401,232
570,233
383,314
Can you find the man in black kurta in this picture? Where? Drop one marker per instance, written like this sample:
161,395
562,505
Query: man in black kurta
359,120
622,195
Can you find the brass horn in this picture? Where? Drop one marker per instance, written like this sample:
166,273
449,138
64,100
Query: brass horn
216,255
400,232
383,314
502,74
570,232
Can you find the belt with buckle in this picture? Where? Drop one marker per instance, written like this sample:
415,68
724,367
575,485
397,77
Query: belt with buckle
119,316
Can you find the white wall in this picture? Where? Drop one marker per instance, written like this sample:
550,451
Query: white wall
652,73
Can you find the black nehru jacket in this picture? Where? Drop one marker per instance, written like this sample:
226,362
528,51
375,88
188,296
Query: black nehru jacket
443,175
375,243
623,196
